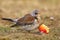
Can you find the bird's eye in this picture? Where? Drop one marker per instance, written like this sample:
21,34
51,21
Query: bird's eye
36,13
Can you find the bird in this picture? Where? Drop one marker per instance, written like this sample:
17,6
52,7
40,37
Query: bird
28,22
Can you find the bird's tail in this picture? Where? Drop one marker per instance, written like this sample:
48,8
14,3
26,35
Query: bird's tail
8,19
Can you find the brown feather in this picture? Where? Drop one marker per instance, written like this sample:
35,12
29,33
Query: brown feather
27,19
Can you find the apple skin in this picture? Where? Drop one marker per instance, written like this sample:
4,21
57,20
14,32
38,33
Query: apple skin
43,28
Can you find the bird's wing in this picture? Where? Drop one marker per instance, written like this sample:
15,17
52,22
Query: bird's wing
27,19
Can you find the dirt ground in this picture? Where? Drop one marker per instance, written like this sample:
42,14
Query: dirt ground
18,8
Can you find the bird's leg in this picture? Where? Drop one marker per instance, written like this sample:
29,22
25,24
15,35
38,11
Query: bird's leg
28,31
14,25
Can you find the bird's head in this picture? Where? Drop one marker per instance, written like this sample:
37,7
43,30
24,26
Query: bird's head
35,13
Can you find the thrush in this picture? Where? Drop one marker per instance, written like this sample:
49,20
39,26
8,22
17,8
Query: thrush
28,21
